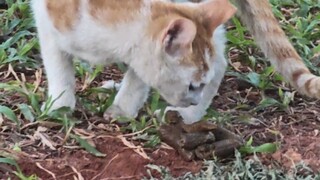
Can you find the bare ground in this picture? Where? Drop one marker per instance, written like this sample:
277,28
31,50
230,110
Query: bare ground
46,152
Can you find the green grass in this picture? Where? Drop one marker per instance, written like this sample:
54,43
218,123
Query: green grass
22,91
18,173
251,169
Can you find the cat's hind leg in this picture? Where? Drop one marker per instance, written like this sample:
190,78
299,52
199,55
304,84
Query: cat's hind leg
130,98
59,71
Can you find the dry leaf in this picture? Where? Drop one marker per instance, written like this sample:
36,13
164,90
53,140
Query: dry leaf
138,149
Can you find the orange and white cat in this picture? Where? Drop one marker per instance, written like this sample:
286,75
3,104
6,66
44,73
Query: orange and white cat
167,46
176,48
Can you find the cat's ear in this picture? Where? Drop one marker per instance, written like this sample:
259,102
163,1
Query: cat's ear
217,12
178,37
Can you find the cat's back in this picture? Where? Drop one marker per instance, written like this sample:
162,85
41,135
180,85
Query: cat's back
95,26
65,15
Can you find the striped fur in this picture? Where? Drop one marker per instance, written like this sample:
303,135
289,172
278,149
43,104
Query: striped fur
258,17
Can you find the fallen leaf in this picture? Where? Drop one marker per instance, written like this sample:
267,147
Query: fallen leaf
41,135
292,158
138,149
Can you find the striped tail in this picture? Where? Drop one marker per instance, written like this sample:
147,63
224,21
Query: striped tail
258,17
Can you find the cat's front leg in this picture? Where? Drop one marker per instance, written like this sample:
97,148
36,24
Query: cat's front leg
130,98
59,72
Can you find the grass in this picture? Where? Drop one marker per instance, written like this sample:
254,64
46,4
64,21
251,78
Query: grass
241,169
23,87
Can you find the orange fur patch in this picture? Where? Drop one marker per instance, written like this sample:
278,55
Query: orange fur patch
112,12
163,13
283,53
261,13
308,84
296,75
63,13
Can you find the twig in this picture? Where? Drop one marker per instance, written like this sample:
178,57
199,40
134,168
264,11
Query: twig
105,168
138,132
38,75
46,170
138,149
80,177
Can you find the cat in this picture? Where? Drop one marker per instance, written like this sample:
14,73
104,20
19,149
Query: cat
166,45
258,17
176,48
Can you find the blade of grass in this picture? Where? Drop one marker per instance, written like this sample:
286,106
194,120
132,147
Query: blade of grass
9,114
83,143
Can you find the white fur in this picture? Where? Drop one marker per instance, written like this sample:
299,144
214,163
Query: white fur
193,114
126,42
111,84
59,68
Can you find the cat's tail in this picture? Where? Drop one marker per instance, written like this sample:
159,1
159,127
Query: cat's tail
259,19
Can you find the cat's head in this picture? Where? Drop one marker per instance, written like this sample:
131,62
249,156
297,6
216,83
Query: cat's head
186,48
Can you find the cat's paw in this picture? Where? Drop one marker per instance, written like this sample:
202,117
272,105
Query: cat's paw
189,115
114,112
111,84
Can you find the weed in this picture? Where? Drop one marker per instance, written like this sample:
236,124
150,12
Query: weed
250,169
18,173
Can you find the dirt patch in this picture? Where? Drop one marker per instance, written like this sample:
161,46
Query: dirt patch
297,147
121,162
295,129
